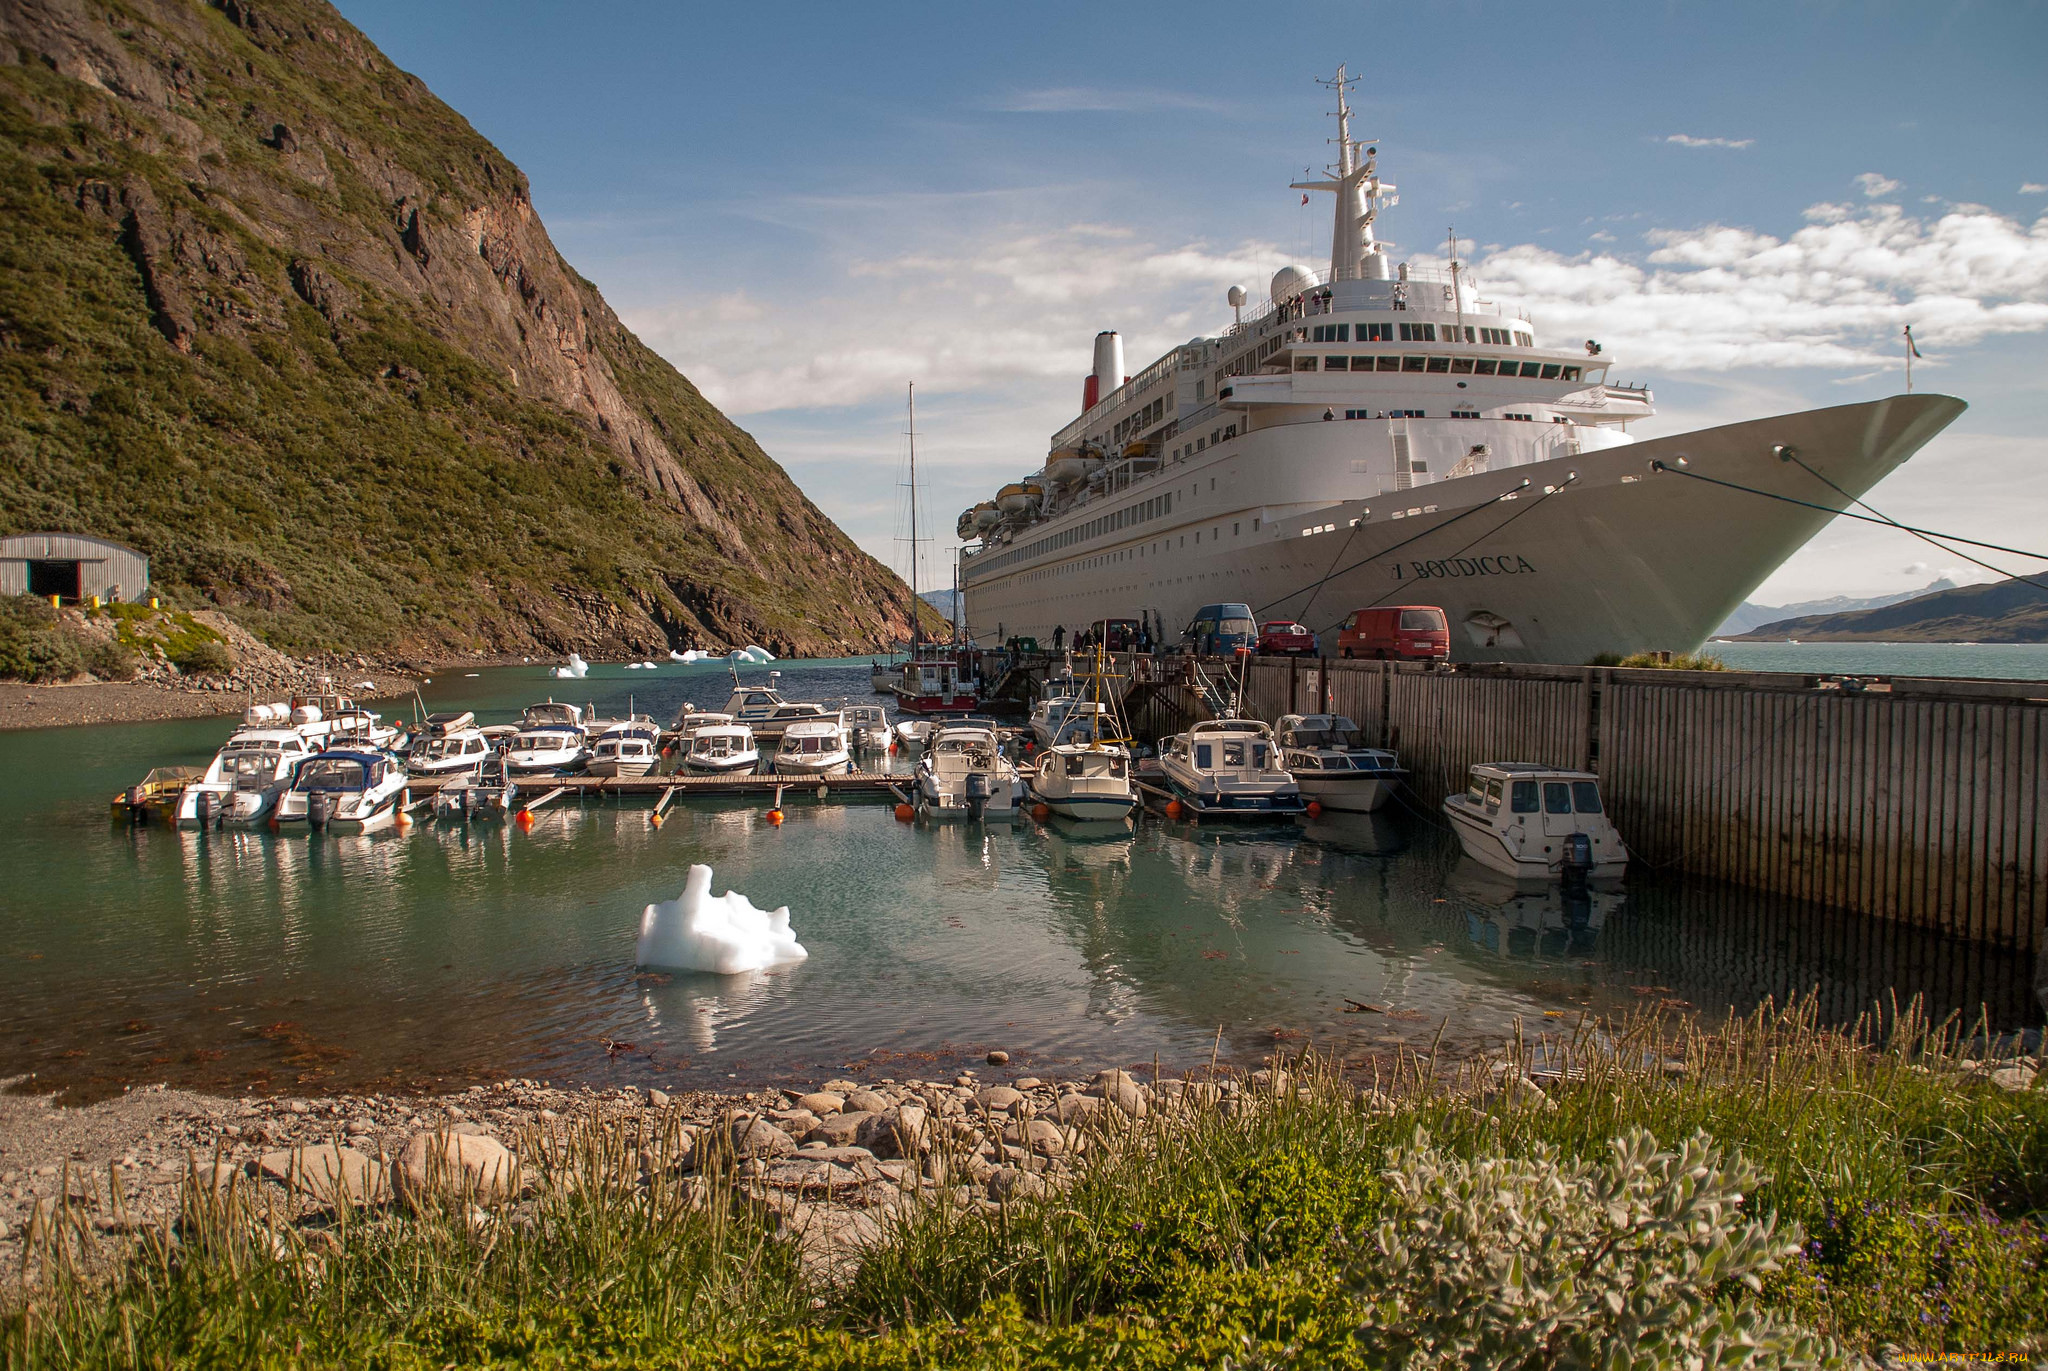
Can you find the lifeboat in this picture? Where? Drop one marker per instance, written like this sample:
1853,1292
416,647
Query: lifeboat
1019,498
986,516
963,529
1065,465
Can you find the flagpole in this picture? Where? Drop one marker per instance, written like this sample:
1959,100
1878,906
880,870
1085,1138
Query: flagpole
1911,352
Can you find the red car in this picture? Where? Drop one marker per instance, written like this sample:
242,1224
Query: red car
1283,638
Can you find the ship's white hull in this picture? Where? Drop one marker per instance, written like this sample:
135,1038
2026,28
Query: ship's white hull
1623,558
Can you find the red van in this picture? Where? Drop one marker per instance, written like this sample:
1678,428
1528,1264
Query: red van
1404,633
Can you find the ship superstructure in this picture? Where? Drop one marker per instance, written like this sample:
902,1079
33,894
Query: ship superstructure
1380,434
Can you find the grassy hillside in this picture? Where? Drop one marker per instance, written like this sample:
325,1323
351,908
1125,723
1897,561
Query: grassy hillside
2011,611
274,314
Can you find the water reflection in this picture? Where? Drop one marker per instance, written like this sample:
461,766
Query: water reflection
242,959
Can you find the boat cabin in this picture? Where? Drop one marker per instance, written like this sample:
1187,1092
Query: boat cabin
346,772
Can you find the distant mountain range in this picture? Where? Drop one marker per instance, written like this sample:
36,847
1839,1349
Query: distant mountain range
1751,617
2012,611
941,600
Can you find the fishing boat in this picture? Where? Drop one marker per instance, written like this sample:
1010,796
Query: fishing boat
1536,822
1085,771
447,746
242,783
938,679
1327,756
814,747
1229,769
867,727
630,748
963,773
546,750
726,749
1051,710
344,788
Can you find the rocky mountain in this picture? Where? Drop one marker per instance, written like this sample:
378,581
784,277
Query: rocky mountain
274,314
2011,611
1749,617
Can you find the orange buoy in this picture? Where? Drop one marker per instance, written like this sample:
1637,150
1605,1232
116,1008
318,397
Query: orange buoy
654,820
404,821
525,819
1041,812
1315,807
1173,809
775,818
905,813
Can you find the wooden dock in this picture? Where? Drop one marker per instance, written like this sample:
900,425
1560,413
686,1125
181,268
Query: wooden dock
1918,800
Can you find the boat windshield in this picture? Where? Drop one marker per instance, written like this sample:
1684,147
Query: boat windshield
1346,739
332,773
812,744
714,745
545,740
441,749
251,762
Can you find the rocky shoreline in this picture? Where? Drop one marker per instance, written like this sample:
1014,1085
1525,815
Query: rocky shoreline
832,1162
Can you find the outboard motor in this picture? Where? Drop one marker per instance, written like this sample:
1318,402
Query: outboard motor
1578,861
209,807
977,794
138,804
320,808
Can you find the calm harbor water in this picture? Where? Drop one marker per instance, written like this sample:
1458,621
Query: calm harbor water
443,955
1997,661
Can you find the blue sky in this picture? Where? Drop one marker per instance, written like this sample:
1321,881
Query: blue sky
804,206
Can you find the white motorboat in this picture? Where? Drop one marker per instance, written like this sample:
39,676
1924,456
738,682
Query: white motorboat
882,676
867,727
626,749
911,734
763,709
344,788
1536,822
786,716
546,750
553,713
726,749
329,720
1086,780
690,718
245,778
1050,713
814,747
1327,756
447,746
963,772
1230,769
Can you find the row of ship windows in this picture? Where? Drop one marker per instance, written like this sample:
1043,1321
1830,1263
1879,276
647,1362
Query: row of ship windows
1456,413
1158,507
1443,366
1421,333
1216,435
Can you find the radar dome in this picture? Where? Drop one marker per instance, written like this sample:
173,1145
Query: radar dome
1237,296
1289,282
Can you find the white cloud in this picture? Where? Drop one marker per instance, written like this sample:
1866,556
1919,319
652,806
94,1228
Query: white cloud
1914,569
2033,188
1875,185
1833,294
1686,140
1602,236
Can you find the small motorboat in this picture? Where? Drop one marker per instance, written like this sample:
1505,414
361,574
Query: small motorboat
786,716
911,734
553,713
1229,769
485,793
626,749
814,747
963,773
1050,713
242,783
867,727
546,750
344,788
447,746
330,720
1086,780
1536,822
1327,756
882,676
690,718
726,749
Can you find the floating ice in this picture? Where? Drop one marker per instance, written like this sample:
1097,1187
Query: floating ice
699,932
650,666
758,653
636,666
575,671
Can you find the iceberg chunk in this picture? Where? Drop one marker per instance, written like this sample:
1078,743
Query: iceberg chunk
700,932
576,670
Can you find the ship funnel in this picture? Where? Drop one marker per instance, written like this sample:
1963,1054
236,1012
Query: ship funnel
1109,362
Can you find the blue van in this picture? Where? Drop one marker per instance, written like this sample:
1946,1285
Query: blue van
1220,630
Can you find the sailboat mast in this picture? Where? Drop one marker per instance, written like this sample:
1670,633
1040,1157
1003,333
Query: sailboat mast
915,616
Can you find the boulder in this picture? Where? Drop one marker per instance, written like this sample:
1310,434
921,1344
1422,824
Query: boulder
1077,1109
2013,1078
329,1173
458,1163
999,1097
842,1129
901,1132
867,1101
758,1138
1036,1135
1015,1183
1121,1090
822,1102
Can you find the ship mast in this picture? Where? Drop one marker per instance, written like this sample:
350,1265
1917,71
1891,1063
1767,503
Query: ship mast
1354,253
915,616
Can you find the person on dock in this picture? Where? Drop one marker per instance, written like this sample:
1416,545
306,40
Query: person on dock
1059,637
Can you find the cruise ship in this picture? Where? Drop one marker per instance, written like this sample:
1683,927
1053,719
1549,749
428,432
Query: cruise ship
1376,434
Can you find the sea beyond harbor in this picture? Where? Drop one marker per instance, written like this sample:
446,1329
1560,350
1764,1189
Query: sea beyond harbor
444,955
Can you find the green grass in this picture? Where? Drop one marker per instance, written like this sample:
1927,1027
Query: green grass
1912,1190
1677,661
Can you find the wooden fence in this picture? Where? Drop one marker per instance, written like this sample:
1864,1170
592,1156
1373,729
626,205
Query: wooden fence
1916,800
